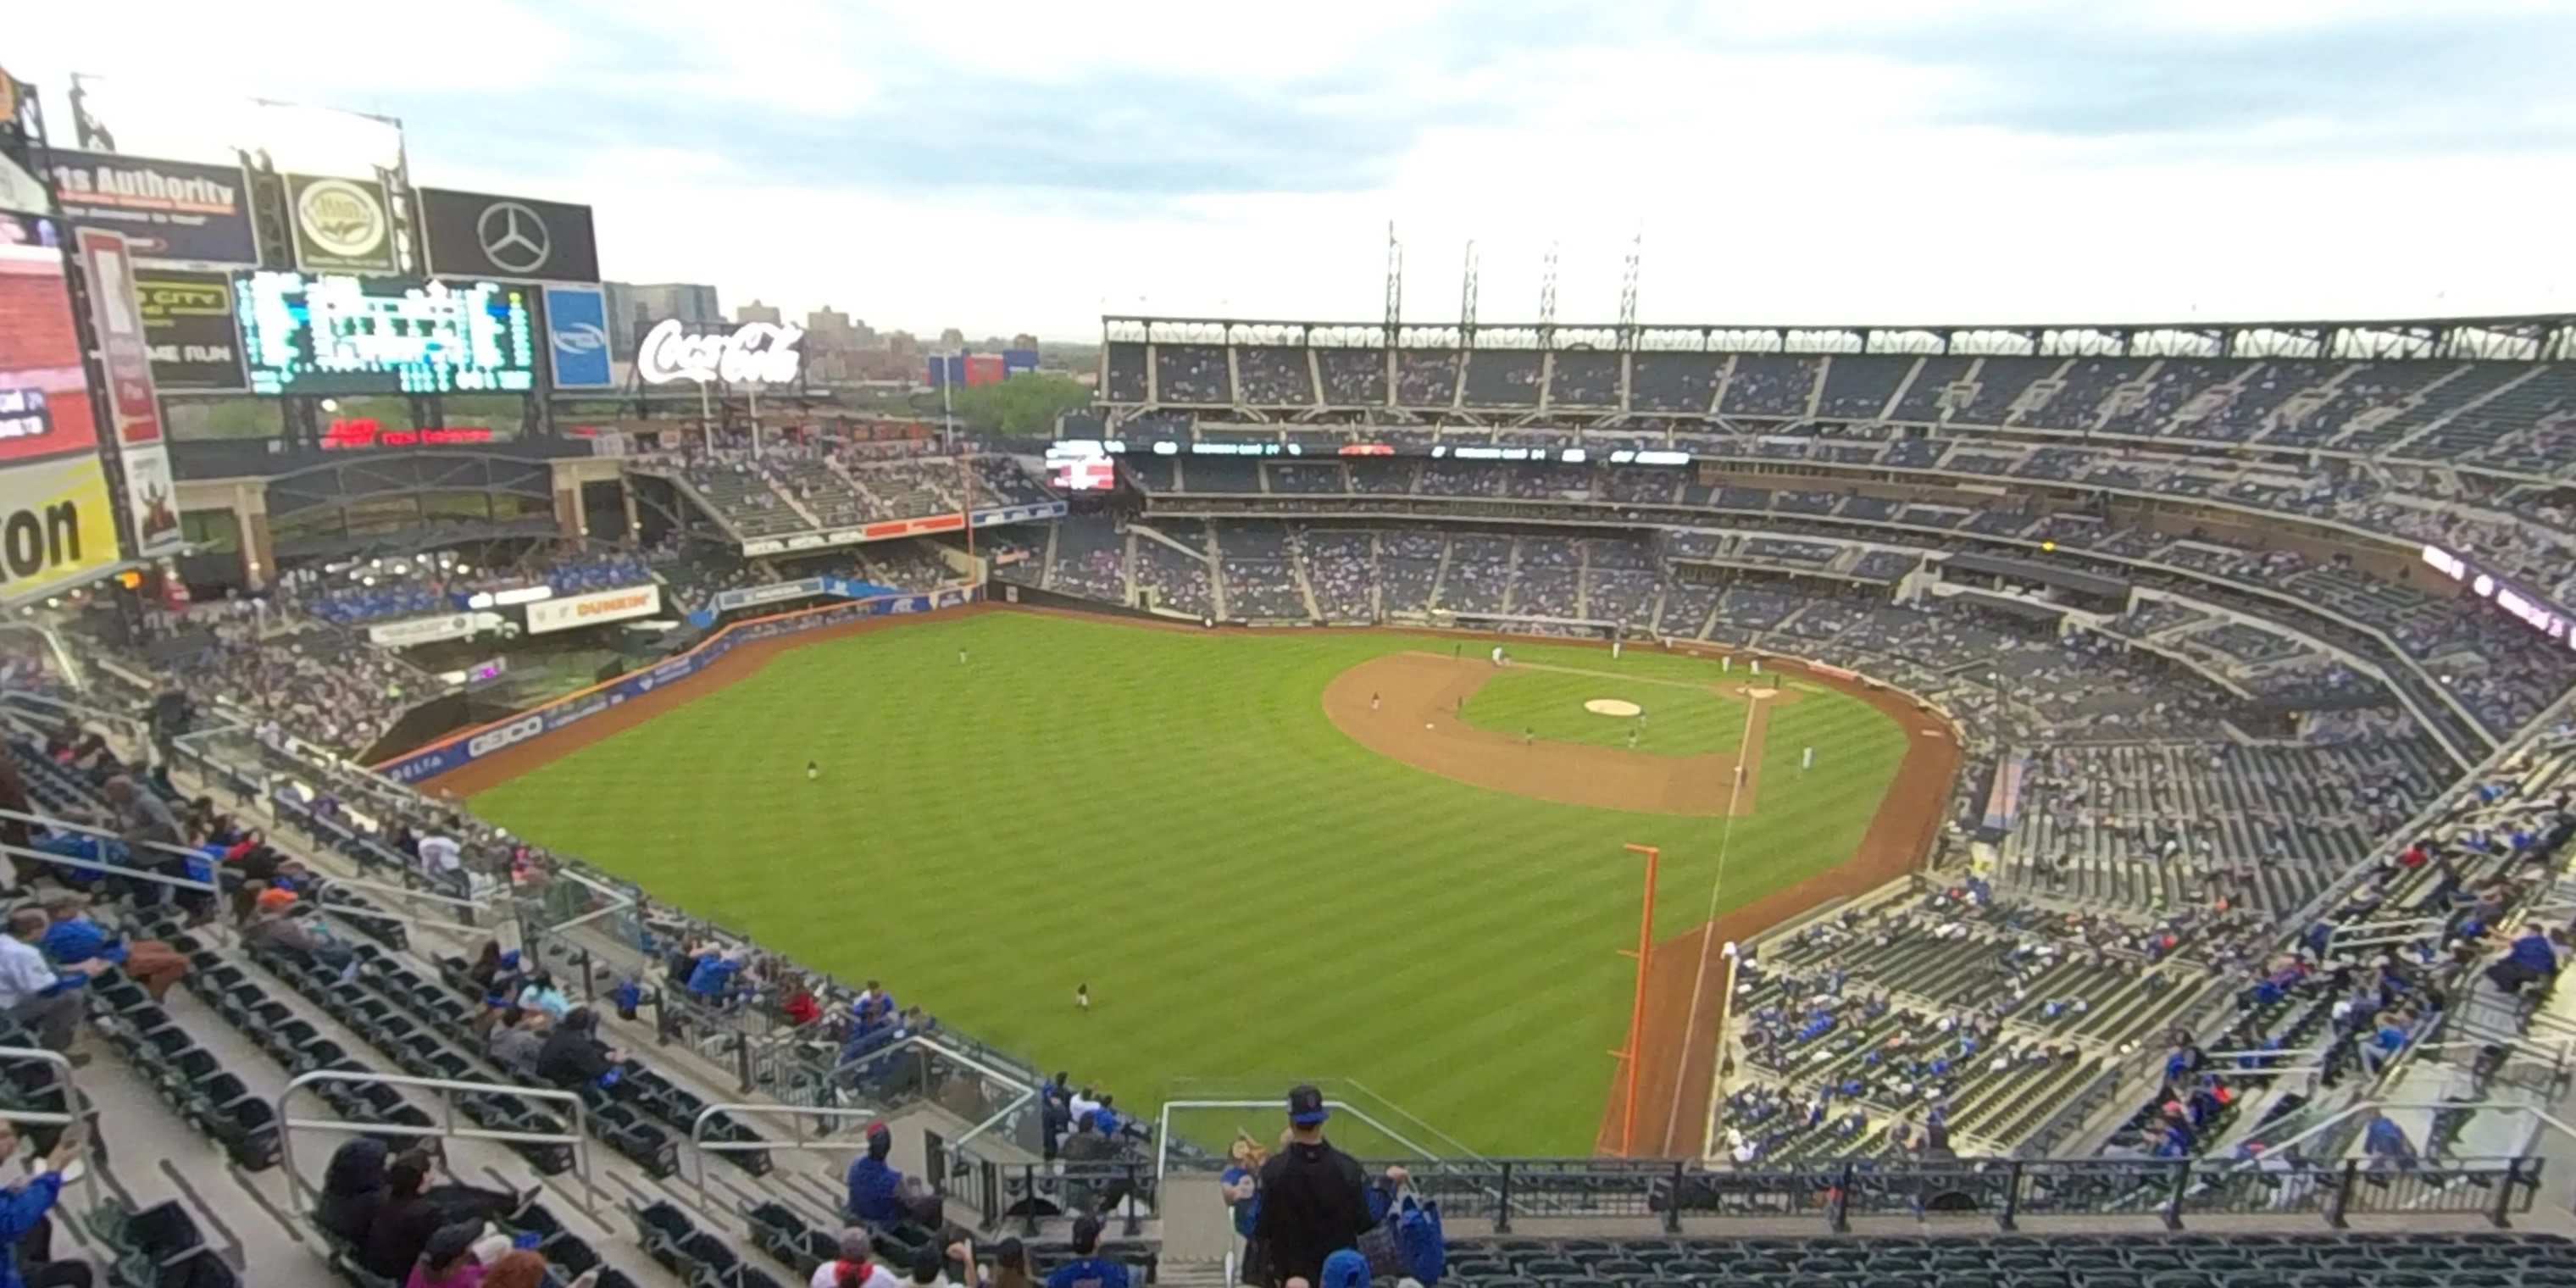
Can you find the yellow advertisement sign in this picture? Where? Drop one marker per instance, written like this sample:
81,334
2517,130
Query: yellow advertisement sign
56,528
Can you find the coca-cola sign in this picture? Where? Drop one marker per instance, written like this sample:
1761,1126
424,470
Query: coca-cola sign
757,353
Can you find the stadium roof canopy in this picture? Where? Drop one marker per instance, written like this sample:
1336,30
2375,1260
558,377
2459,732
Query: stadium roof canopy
2037,573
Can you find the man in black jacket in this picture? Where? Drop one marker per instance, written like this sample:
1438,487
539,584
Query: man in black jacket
1313,1202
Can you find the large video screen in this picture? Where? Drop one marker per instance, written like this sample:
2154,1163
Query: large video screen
1080,465
333,334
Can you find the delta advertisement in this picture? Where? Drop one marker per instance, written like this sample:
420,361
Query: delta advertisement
465,748
171,211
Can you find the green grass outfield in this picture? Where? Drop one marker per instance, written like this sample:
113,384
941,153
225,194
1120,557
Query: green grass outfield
1251,895
1683,718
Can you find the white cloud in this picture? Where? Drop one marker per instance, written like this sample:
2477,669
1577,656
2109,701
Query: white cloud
1864,161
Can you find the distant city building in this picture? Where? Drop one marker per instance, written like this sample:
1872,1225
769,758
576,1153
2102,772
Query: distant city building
757,312
633,309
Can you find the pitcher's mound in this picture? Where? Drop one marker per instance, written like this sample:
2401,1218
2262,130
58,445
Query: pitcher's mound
1433,689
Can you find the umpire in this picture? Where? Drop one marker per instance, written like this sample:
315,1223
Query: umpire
1313,1202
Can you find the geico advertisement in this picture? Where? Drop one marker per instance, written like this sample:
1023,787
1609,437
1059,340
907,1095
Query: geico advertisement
592,609
55,525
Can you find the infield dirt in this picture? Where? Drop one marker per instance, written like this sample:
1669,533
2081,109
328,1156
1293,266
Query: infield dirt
1417,721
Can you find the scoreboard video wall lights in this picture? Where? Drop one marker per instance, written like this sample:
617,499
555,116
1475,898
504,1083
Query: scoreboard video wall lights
335,334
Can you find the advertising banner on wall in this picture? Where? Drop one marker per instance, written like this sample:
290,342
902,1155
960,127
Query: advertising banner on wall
169,211
189,326
341,225
44,388
593,609
151,500
422,630
56,527
577,332
519,239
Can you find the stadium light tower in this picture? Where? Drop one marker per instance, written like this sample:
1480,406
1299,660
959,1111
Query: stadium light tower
1467,300
1628,292
1547,299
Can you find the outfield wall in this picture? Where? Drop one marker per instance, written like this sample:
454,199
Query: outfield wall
467,746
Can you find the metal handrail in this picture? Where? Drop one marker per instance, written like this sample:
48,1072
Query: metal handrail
110,869
67,1077
298,1190
1163,1127
797,1139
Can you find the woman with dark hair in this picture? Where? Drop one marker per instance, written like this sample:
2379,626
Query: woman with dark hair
353,1187
413,1210
1011,1266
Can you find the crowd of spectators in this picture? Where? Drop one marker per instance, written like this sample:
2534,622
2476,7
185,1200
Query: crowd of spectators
362,590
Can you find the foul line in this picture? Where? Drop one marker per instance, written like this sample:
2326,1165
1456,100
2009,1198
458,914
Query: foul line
1708,931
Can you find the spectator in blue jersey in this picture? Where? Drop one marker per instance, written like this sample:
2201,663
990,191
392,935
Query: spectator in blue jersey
1242,1187
881,1196
2386,1144
24,1229
2529,959
1088,1269
713,977
73,937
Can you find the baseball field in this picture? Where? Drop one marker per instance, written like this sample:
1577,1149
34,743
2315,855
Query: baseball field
1369,857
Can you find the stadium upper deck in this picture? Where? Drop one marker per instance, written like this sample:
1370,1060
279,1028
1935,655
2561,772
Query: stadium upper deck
2494,395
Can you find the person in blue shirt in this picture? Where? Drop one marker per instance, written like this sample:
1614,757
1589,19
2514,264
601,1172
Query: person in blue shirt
1242,1187
712,977
879,1196
2387,1145
1088,1269
22,1209
72,937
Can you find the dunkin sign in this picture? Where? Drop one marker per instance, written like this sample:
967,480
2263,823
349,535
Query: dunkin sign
593,609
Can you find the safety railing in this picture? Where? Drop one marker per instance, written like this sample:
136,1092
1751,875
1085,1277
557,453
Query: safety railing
300,1191
77,1109
799,1137
1682,1196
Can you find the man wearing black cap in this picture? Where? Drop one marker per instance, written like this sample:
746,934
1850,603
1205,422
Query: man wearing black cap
1313,1202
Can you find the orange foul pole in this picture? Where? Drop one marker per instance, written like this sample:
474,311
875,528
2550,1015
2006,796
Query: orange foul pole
1635,1054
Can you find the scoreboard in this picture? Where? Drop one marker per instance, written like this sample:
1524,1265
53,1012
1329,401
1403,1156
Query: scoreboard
336,334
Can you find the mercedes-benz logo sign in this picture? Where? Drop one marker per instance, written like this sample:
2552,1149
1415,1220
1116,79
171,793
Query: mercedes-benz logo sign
513,237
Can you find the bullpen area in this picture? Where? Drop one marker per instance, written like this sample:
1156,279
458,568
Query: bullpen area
1372,857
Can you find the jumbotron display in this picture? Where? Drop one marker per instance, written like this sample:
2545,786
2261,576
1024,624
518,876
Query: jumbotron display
333,334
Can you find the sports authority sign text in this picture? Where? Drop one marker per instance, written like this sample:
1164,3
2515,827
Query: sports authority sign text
759,353
593,609
168,210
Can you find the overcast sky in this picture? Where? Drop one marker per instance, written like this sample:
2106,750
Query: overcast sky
1003,166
